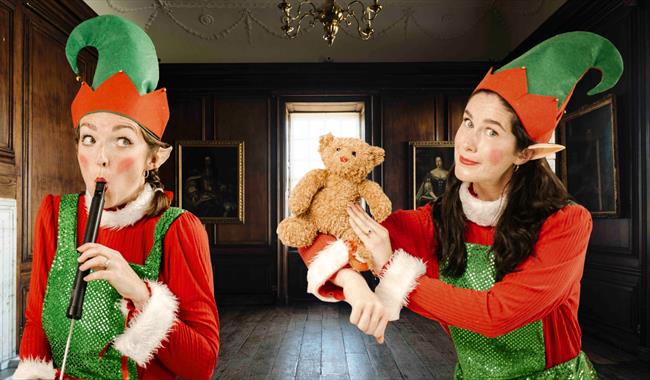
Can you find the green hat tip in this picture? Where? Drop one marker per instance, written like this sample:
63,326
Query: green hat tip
554,66
610,64
121,45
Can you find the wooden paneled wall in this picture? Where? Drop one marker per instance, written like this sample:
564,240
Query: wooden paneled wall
37,150
233,102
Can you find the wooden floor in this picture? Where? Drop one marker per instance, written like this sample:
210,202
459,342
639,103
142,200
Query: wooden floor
316,341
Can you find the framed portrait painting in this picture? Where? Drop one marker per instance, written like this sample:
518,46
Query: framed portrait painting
589,164
430,164
210,180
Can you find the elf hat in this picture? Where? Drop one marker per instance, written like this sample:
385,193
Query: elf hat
126,74
539,84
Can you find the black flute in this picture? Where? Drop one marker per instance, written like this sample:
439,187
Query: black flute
92,226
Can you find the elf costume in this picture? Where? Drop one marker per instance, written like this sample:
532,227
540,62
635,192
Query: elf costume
177,331
526,324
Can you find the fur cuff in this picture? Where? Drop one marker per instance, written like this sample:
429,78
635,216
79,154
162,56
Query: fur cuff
150,327
398,281
31,368
329,261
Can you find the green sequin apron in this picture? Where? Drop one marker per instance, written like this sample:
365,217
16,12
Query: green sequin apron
519,354
102,320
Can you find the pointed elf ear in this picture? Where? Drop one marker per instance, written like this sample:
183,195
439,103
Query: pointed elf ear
543,150
160,157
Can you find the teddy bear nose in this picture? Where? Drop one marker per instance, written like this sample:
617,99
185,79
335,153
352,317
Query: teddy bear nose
344,159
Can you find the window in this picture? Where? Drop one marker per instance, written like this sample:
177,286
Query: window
306,122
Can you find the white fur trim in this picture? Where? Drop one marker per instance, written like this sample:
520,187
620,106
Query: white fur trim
31,368
329,261
124,308
398,281
483,213
127,215
150,327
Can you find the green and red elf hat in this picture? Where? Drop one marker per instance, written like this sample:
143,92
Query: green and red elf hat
126,76
539,84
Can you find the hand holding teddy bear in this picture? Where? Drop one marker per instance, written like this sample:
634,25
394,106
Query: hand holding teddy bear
320,200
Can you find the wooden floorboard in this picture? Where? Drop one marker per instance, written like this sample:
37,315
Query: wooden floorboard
333,358
381,359
317,341
406,358
240,361
285,363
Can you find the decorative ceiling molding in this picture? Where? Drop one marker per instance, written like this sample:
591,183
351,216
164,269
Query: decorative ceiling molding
408,20
406,30
246,17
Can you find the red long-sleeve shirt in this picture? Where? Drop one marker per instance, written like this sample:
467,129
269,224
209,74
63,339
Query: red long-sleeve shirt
546,286
192,345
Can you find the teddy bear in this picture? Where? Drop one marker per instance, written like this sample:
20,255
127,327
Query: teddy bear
319,200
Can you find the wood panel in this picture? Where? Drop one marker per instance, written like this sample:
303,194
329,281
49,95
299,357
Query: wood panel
405,118
247,119
643,114
455,109
14,172
50,165
612,233
440,123
186,122
7,181
23,289
6,85
617,320
244,276
323,78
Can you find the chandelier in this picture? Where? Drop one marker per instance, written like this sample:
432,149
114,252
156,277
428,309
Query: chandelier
331,15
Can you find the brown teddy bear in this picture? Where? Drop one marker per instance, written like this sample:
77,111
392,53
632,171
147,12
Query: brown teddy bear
320,199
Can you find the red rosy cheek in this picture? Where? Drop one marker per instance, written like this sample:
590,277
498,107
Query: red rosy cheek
83,161
495,157
125,164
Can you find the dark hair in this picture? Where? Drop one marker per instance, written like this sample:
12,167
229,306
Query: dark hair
534,194
159,202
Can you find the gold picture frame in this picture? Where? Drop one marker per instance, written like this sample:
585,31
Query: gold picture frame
210,180
589,164
430,162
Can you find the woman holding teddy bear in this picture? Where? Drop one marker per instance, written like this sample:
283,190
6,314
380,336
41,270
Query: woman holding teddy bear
497,259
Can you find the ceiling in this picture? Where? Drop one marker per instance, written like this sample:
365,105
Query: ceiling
230,31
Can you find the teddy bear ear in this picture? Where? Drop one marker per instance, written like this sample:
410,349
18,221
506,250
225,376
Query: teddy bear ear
377,154
324,141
